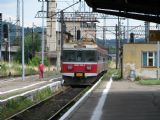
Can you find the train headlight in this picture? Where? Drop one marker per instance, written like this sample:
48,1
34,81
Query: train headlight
70,67
88,67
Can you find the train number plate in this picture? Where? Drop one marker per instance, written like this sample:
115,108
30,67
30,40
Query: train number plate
79,74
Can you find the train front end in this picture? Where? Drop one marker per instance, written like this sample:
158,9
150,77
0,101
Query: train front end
79,66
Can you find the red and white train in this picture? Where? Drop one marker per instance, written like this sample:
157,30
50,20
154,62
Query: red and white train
83,62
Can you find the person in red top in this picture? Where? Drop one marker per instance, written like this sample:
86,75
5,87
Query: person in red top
41,70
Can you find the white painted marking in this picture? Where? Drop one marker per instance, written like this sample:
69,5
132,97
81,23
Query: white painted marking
68,74
98,110
86,74
80,63
90,74
25,87
75,106
9,91
22,94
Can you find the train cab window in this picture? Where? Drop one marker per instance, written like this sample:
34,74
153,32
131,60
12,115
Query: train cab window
104,59
80,56
90,56
69,55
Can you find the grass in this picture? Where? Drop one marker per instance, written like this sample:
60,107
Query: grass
15,69
149,82
14,105
112,72
43,94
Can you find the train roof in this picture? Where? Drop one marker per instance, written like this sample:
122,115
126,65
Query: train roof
85,43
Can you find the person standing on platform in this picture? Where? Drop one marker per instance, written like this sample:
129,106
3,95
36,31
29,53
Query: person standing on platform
41,70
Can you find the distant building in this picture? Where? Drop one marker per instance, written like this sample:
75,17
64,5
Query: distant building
81,25
5,52
77,26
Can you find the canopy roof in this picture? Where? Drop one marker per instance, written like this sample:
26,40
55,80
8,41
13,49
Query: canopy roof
147,10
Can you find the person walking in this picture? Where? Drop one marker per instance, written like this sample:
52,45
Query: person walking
41,70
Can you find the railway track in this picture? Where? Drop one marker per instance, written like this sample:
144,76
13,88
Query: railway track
51,108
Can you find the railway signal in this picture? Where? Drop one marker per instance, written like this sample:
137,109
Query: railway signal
5,30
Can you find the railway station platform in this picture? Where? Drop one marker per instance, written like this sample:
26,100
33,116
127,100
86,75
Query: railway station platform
13,87
118,100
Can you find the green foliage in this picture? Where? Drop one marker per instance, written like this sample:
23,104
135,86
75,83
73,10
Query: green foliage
43,94
3,69
15,69
36,60
149,82
30,71
13,106
46,62
114,73
137,78
30,47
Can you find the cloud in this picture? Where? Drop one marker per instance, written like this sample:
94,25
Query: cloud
7,1
7,6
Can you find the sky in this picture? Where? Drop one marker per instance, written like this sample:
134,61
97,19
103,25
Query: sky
31,7
9,11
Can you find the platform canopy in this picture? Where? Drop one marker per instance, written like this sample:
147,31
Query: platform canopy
147,10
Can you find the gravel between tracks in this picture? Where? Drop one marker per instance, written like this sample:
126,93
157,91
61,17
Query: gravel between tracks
46,109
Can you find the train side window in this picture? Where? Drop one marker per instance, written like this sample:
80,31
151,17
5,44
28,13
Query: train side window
98,56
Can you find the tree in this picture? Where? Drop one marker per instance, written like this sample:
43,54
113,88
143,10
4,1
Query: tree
32,44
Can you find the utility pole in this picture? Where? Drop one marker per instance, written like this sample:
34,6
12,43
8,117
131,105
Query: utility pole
147,27
104,30
42,32
23,72
117,47
0,34
9,50
33,40
158,55
127,30
62,32
18,22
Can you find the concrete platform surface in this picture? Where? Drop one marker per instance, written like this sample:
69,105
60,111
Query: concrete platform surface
121,100
13,86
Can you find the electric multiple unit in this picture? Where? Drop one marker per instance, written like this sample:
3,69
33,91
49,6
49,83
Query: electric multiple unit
82,63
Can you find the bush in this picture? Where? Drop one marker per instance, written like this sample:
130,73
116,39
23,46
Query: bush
114,73
13,106
30,71
3,69
138,78
15,69
43,94
35,61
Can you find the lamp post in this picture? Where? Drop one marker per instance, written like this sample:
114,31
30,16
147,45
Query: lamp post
43,33
23,40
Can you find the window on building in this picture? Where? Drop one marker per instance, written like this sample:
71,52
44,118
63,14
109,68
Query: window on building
149,59
88,25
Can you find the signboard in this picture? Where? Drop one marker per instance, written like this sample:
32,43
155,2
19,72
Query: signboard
154,35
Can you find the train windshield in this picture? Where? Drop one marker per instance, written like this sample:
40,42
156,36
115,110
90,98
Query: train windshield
79,56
